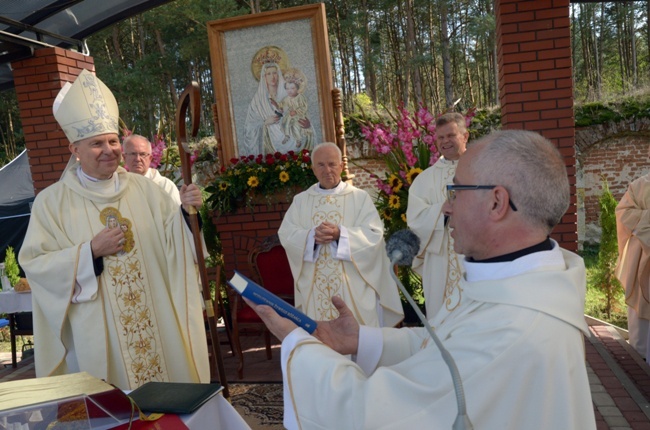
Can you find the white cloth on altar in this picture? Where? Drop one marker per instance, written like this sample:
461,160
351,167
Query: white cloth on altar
361,254
437,262
146,322
165,183
517,342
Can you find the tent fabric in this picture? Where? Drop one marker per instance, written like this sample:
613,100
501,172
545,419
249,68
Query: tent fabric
16,181
16,197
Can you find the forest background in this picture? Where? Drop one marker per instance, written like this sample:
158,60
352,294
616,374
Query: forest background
385,53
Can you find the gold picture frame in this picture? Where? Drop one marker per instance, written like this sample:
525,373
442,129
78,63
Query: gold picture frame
272,81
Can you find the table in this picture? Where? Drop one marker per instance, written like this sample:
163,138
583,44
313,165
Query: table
12,303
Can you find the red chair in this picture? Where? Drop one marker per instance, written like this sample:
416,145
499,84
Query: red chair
270,268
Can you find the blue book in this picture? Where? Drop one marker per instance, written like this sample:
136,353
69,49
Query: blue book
260,295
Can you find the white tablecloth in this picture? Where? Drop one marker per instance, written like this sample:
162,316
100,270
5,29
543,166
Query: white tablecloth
217,413
11,302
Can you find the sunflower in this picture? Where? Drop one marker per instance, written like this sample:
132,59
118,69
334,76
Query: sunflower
395,183
223,186
394,201
412,174
253,181
284,176
387,214
404,217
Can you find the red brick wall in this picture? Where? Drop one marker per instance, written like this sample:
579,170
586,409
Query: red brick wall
38,81
619,158
535,86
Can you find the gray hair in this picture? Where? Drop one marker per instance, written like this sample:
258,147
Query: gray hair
130,137
326,145
451,117
531,168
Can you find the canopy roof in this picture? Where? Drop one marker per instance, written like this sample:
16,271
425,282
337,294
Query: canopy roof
27,25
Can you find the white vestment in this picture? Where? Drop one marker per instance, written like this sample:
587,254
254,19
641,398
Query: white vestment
437,262
356,268
141,319
517,342
165,183
633,268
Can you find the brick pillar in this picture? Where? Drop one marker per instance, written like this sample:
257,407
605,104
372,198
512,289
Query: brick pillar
38,81
535,84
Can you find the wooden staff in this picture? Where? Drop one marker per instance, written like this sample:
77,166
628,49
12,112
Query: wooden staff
191,97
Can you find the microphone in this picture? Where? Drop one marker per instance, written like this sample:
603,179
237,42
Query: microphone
401,247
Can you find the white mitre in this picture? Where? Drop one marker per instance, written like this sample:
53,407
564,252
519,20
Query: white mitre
86,108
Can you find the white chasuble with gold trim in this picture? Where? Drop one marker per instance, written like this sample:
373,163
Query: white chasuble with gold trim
437,262
363,280
145,321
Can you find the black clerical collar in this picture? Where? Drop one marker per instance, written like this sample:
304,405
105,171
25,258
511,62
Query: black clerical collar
546,245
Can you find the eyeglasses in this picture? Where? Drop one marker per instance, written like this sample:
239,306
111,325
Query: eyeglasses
452,189
137,154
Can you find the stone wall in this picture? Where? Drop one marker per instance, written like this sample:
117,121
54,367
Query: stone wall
617,152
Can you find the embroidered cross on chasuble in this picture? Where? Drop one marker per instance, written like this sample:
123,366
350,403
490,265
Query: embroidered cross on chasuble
129,293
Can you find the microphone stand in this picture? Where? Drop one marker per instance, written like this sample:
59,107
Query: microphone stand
462,421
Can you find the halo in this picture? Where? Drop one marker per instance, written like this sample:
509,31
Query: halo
269,54
297,77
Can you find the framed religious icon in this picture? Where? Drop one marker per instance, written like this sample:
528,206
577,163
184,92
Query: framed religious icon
272,81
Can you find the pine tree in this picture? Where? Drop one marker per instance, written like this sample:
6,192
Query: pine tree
11,266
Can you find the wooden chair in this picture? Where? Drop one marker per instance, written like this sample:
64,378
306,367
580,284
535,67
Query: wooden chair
270,268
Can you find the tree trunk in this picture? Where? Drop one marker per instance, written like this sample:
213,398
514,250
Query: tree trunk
446,59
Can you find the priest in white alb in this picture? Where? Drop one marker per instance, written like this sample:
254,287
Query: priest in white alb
110,260
516,336
136,150
437,262
333,237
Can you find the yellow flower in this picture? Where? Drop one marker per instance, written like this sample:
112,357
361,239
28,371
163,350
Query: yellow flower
412,174
404,217
253,181
223,186
284,176
387,214
395,183
393,201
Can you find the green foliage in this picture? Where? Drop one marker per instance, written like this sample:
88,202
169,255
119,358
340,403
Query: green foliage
596,301
601,113
603,275
11,266
484,122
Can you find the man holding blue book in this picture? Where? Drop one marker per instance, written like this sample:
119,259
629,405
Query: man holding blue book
516,337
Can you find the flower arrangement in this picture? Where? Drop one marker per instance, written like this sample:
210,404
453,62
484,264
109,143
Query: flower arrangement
407,147
251,177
